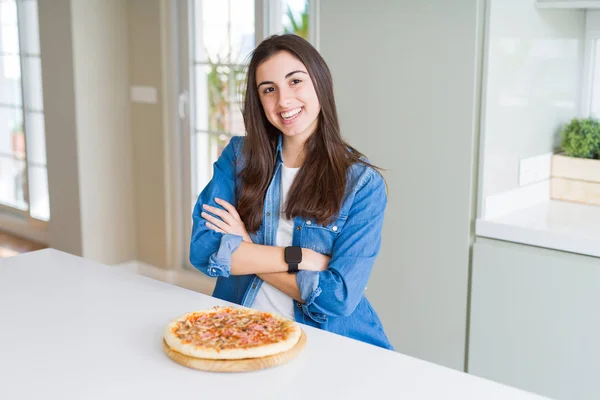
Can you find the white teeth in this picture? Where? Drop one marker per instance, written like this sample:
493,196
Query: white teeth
290,114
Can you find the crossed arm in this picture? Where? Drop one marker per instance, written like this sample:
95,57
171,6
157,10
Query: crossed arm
265,261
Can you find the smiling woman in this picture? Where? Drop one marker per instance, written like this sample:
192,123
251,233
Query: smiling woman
290,102
291,221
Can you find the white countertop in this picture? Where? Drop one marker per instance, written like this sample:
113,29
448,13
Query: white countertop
551,224
74,329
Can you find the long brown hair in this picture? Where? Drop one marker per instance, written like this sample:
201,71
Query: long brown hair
318,189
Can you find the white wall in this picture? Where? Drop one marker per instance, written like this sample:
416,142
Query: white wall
89,146
405,75
104,138
149,137
106,164
532,85
64,228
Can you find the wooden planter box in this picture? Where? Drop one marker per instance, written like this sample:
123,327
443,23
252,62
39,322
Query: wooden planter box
575,179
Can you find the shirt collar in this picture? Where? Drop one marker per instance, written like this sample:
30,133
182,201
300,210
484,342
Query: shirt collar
278,152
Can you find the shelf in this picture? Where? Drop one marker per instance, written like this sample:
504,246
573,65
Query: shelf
579,4
552,224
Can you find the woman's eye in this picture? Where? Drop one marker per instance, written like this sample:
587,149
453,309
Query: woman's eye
296,81
268,90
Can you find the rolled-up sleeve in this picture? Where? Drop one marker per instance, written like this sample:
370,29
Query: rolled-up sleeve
338,290
308,283
210,251
219,263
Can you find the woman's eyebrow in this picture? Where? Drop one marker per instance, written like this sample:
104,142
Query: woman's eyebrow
287,76
294,72
265,83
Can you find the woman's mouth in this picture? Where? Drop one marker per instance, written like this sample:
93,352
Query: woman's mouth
289,116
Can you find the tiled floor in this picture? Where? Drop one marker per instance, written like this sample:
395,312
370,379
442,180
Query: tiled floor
12,245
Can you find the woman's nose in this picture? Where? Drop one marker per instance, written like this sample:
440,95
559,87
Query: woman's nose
284,98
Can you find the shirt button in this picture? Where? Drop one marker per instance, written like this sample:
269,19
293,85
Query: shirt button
308,222
334,228
268,214
254,286
297,304
298,228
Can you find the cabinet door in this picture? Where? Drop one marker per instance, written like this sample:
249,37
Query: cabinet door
535,319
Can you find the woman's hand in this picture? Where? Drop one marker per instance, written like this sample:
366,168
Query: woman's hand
229,222
313,261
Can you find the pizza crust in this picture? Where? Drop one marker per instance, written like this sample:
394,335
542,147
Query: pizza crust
208,352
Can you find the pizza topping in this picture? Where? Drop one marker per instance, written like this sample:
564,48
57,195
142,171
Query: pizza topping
185,328
228,328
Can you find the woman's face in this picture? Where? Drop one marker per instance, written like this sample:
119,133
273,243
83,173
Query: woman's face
288,96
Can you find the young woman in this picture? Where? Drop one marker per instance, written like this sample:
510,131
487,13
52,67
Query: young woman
291,220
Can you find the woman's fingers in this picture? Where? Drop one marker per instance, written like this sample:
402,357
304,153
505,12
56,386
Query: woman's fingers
214,221
224,215
214,228
230,209
226,220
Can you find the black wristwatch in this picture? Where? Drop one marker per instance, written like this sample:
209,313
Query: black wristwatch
293,257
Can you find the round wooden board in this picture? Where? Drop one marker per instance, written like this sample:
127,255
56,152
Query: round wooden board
243,365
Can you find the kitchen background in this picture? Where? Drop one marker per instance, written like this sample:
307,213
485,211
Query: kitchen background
112,112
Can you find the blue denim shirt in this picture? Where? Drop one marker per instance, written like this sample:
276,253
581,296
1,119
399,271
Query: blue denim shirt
333,299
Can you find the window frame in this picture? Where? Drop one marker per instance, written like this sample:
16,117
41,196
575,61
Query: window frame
14,219
267,21
592,35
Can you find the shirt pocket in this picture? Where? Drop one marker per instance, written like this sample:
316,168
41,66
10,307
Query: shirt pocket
321,237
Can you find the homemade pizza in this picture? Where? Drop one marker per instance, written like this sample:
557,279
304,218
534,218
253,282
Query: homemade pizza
231,333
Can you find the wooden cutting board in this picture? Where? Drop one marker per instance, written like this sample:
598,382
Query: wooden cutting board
244,365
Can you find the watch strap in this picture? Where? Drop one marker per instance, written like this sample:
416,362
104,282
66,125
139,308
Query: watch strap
292,268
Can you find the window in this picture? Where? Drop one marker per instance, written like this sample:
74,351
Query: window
215,38
595,81
295,17
23,171
223,33
590,100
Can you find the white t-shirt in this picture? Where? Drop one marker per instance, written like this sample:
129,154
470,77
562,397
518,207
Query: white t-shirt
268,297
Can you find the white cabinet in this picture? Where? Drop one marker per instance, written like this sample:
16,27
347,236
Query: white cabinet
535,319
587,4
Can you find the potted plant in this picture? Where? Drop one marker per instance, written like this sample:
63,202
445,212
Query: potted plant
576,168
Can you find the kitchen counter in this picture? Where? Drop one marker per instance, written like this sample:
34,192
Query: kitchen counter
551,224
71,328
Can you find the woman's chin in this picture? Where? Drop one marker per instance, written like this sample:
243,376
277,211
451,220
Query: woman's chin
296,132
291,133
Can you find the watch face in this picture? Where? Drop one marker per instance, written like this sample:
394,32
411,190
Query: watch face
293,254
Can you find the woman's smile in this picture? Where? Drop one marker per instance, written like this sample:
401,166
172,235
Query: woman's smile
288,117
288,96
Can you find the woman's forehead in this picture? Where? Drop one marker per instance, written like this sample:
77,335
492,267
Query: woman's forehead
278,66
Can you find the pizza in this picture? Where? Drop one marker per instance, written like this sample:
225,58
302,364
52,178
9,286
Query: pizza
231,333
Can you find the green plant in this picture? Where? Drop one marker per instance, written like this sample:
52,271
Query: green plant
300,26
581,138
225,85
